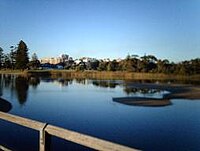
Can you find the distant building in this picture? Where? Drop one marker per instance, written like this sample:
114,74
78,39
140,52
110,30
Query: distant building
56,60
88,59
52,60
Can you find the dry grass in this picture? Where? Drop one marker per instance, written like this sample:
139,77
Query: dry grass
12,71
117,75
113,75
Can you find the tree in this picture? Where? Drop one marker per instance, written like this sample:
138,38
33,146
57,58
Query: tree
112,65
102,66
22,56
195,63
34,57
148,63
13,56
1,57
34,63
7,63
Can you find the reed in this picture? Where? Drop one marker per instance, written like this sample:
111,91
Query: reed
111,75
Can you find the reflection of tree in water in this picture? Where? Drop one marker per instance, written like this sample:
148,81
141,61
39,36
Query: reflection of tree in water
129,90
105,84
80,81
34,82
21,85
65,82
1,85
18,84
7,80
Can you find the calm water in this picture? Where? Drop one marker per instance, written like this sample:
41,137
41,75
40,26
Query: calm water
87,106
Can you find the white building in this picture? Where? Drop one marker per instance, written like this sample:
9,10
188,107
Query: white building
52,60
56,60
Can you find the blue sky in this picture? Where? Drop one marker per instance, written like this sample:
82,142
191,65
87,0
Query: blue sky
103,28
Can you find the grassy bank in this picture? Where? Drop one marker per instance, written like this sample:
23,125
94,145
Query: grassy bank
12,72
111,75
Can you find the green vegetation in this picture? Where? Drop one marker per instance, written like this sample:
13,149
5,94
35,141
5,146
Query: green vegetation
18,59
144,64
22,59
71,74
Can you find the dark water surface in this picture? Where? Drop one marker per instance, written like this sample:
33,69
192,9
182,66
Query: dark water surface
87,106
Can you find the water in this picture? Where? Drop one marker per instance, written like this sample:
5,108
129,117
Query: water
87,106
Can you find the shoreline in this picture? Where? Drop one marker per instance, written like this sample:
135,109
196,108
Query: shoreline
109,75
14,72
112,75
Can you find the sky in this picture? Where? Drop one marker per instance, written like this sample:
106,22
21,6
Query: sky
103,28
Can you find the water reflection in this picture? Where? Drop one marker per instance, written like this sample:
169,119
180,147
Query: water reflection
34,81
165,81
5,106
21,85
143,97
61,81
145,92
87,108
105,84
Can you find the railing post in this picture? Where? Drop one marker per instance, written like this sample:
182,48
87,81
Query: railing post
43,140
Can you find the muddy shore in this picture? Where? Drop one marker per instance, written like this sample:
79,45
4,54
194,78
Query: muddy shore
176,91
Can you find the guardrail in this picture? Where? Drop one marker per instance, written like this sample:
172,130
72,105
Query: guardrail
47,130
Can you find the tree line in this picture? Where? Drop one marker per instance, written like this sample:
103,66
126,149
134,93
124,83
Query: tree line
144,64
18,59
151,64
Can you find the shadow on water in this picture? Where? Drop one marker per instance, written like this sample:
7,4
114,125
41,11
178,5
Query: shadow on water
22,85
19,85
5,106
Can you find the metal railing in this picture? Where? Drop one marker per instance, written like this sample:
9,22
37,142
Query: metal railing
47,130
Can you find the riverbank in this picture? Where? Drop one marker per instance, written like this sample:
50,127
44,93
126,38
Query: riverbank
108,75
117,75
19,72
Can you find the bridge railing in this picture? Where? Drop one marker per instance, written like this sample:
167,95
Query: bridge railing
47,130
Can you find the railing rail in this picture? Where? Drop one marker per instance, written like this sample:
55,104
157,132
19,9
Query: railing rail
47,130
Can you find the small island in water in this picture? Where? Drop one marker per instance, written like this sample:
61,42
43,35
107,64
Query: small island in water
175,91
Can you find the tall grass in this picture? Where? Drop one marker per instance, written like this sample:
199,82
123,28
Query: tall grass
111,75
